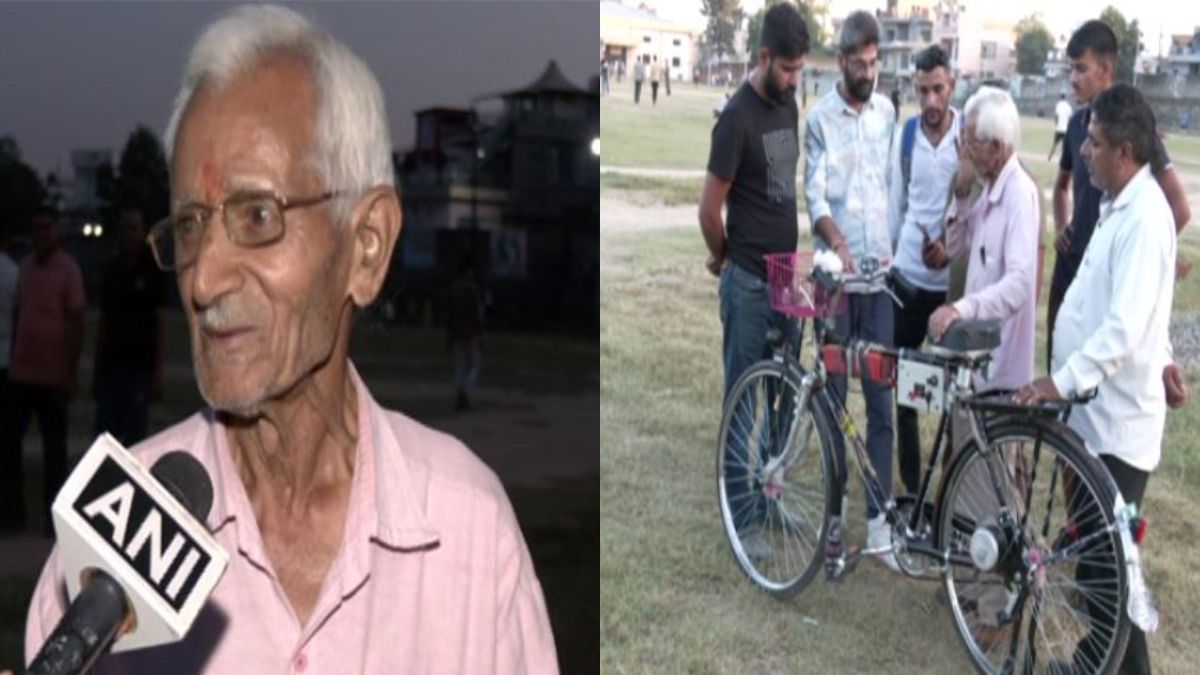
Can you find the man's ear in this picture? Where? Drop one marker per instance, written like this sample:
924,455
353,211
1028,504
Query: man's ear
376,223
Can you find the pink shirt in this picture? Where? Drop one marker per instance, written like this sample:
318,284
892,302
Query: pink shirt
433,575
47,293
1000,232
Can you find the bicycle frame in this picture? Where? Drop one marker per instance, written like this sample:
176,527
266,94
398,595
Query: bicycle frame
960,396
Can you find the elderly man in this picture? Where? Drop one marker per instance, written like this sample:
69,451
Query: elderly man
846,150
1111,331
359,540
999,233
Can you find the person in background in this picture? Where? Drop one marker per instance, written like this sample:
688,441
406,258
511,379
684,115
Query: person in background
128,369
48,341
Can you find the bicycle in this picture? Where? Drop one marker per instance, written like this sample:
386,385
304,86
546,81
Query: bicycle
1027,531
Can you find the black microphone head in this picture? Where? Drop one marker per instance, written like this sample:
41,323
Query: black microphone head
185,478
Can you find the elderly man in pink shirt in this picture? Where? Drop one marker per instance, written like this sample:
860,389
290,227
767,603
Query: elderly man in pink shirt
999,231
360,541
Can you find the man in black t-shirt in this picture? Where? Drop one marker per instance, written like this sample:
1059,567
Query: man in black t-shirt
129,341
1092,51
752,170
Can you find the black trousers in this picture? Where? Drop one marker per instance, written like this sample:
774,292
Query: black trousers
1132,484
637,90
910,327
25,400
653,92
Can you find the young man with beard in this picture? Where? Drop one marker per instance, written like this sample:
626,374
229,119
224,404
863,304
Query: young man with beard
752,170
846,146
921,167
1112,327
1093,54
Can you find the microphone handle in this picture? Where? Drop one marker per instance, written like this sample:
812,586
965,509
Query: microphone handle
86,631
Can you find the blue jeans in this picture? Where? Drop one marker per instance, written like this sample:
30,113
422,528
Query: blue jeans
870,317
746,316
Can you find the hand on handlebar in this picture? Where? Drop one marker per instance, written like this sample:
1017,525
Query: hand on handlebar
940,320
1041,389
843,251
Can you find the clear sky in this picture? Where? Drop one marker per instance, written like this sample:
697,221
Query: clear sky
79,75
1061,16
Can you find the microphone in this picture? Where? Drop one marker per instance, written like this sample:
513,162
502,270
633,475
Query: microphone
139,561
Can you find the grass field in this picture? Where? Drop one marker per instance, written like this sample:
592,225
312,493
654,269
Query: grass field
672,599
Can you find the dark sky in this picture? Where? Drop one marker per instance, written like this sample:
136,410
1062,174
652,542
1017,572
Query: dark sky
80,75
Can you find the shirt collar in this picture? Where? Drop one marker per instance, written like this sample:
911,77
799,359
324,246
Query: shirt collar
996,189
383,495
1128,194
849,109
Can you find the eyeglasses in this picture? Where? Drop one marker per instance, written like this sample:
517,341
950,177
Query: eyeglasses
252,220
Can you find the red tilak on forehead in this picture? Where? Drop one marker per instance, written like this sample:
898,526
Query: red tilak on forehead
210,182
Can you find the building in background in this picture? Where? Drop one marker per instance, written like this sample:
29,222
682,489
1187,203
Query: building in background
628,33
512,184
1184,58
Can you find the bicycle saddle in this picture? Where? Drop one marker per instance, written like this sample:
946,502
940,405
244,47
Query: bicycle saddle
971,336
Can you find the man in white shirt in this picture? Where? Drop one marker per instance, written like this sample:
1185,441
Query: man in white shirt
922,165
1062,117
1111,330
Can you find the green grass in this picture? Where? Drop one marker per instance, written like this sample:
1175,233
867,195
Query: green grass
671,597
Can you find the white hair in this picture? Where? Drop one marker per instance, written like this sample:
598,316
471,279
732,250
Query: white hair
995,116
351,150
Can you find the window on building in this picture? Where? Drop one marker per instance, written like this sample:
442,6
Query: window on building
675,62
904,60
926,36
677,42
646,39
891,35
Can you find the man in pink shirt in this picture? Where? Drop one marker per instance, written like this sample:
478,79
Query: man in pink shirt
44,365
999,231
360,541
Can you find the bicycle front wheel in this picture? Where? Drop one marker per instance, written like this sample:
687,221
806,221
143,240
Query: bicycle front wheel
1037,579
774,479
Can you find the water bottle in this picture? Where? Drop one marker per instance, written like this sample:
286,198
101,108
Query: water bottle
1141,608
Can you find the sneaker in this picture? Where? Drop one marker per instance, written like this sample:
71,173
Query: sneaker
879,535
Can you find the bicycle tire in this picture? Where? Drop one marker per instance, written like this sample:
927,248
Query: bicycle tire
1064,621
776,528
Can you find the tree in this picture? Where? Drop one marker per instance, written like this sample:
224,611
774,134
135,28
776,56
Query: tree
1129,42
812,13
1034,41
724,18
142,179
21,190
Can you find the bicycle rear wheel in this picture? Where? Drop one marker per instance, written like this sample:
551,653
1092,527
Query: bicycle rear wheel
774,479
1039,506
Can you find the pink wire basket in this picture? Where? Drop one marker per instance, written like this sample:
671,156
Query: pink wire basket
790,289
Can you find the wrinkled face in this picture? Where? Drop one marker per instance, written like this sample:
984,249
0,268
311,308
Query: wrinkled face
1090,75
933,91
858,72
782,77
261,319
1101,157
986,156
